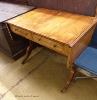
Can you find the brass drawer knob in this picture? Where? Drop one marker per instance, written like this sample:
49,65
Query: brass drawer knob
39,39
54,45
16,29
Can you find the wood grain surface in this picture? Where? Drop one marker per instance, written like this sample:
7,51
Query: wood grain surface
60,26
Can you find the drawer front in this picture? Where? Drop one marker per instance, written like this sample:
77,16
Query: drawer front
51,44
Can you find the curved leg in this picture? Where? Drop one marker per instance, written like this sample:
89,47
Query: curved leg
69,80
30,47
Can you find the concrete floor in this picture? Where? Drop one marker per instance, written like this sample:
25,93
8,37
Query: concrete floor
41,78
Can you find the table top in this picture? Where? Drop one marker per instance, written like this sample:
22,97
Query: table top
60,26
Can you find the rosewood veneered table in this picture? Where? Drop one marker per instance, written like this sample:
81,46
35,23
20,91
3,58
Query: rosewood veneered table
66,33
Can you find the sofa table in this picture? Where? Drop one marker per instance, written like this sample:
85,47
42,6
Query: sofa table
66,33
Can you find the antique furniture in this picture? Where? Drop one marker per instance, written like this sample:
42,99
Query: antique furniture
11,44
66,33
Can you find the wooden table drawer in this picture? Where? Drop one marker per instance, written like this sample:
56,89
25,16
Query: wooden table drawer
19,31
49,43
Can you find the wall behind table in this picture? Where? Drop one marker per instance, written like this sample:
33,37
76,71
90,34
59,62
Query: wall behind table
86,7
16,1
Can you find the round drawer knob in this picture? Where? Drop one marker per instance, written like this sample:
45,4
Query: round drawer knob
16,29
39,39
54,45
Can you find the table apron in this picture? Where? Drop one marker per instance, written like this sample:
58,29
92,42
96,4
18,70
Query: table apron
46,42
